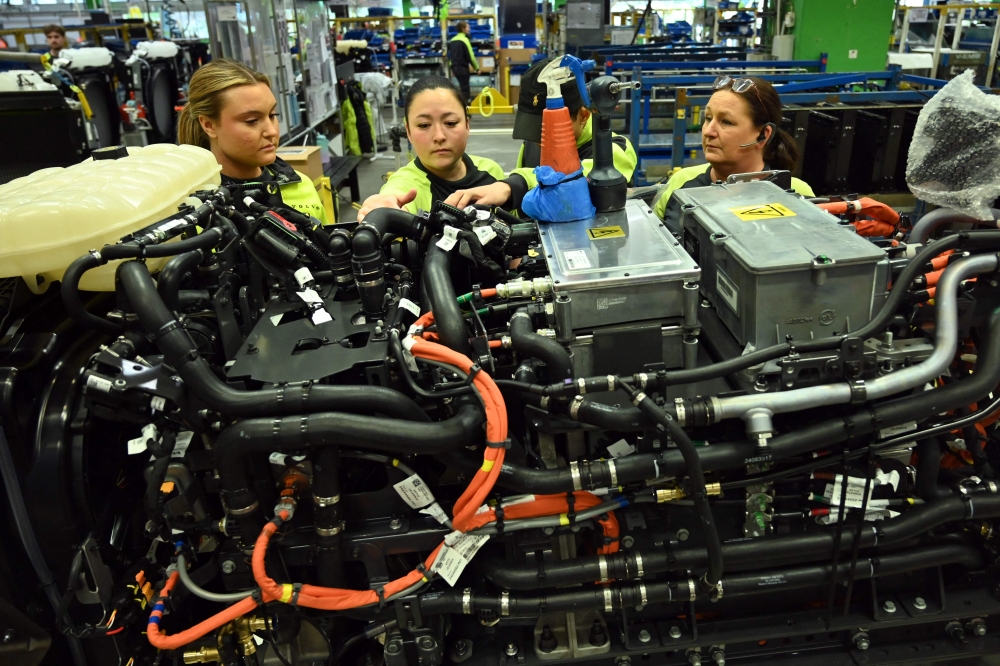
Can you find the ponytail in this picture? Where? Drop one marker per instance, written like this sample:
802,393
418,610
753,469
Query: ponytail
781,152
205,96
765,107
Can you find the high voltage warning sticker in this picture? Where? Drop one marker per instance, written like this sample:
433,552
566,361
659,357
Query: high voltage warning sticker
597,233
761,212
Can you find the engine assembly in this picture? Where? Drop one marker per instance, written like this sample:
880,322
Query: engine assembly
462,437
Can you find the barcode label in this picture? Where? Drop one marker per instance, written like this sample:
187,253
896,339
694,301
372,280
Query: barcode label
576,259
727,290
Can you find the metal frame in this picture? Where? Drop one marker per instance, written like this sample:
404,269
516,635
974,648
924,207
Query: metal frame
611,67
939,37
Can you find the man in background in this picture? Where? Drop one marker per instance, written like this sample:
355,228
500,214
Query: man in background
55,36
463,58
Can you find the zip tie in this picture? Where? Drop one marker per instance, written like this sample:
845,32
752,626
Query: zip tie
297,587
380,591
505,444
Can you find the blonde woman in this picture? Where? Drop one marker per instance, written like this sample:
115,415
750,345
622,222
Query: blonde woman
232,112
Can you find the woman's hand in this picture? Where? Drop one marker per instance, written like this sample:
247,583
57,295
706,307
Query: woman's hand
496,194
385,201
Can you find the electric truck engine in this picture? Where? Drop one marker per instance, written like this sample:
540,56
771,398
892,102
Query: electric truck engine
231,435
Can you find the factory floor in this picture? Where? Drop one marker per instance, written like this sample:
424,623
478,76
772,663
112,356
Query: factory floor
489,137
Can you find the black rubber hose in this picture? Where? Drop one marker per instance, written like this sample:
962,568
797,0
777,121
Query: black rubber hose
928,466
626,418
182,354
753,554
696,476
329,429
161,452
328,518
22,522
443,300
169,282
70,292
206,240
525,341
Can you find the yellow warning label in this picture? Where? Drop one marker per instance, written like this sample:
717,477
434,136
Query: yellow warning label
761,212
597,233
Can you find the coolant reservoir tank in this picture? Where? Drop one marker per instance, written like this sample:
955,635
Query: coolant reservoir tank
53,216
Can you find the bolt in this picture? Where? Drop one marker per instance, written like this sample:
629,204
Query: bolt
627,542
861,642
511,649
694,659
8,636
644,636
675,632
426,643
461,647
682,535
228,567
120,383
392,647
252,348
719,657
623,660
919,603
889,607
977,626
395,523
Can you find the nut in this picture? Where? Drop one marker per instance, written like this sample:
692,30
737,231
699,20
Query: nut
228,567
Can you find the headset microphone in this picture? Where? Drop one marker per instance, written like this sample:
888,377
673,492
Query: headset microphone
763,136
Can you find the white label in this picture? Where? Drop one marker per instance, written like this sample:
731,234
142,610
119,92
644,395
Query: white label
620,448
515,44
321,316
414,492
138,445
515,79
876,514
276,319
486,234
409,306
855,494
303,276
184,438
892,431
99,383
852,54
157,403
411,362
919,15
279,458
449,238
436,512
310,296
172,225
486,62
455,557
728,291
576,259
226,12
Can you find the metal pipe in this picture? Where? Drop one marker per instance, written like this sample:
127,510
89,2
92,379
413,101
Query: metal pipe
222,598
926,225
946,332
18,56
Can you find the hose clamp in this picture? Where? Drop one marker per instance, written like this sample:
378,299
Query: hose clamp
613,473
717,592
859,392
467,601
639,398
371,283
505,603
326,501
602,563
643,598
574,407
244,511
574,470
520,314
544,402
638,564
581,384
692,589
608,606
681,411
611,382
643,379
96,255
330,531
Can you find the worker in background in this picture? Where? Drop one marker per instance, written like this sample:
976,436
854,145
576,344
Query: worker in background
740,134
463,58
437,125
55,37
528,128
232,112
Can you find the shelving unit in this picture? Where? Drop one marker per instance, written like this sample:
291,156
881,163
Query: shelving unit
962,13
729,26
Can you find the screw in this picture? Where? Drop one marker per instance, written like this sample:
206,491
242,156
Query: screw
627,541
889,607
861,641
426,643
644,636
675,632
392,647
919,603
511,650
682,535
395,523
228,567
461,647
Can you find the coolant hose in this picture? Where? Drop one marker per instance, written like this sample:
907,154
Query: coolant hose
928,466
206,240
329,521
294,433
368,261
19,512
926,225
443,300
525,341
182,354
169,281
70,292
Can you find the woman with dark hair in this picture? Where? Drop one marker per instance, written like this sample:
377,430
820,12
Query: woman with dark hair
740,134
437,125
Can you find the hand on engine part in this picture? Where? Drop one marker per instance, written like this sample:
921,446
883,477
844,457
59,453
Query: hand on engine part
496,194
385,201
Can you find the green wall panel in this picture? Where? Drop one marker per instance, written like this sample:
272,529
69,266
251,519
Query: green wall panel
838,26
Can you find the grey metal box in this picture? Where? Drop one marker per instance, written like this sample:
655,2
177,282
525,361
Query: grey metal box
617,267
775,265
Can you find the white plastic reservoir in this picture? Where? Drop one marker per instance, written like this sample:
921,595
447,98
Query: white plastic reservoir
53,216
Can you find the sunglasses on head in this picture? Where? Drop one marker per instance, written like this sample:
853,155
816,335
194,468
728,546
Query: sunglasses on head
738,85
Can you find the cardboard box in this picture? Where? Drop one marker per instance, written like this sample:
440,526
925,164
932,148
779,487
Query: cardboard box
305,159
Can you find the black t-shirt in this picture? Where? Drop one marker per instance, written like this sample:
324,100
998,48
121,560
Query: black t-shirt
442,189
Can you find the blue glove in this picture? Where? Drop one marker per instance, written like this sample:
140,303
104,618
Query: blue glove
558,197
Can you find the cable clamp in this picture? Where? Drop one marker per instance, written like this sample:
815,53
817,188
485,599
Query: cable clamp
505,444
258,596
296,588
498,512
380,592
169,327
473,371
859,392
